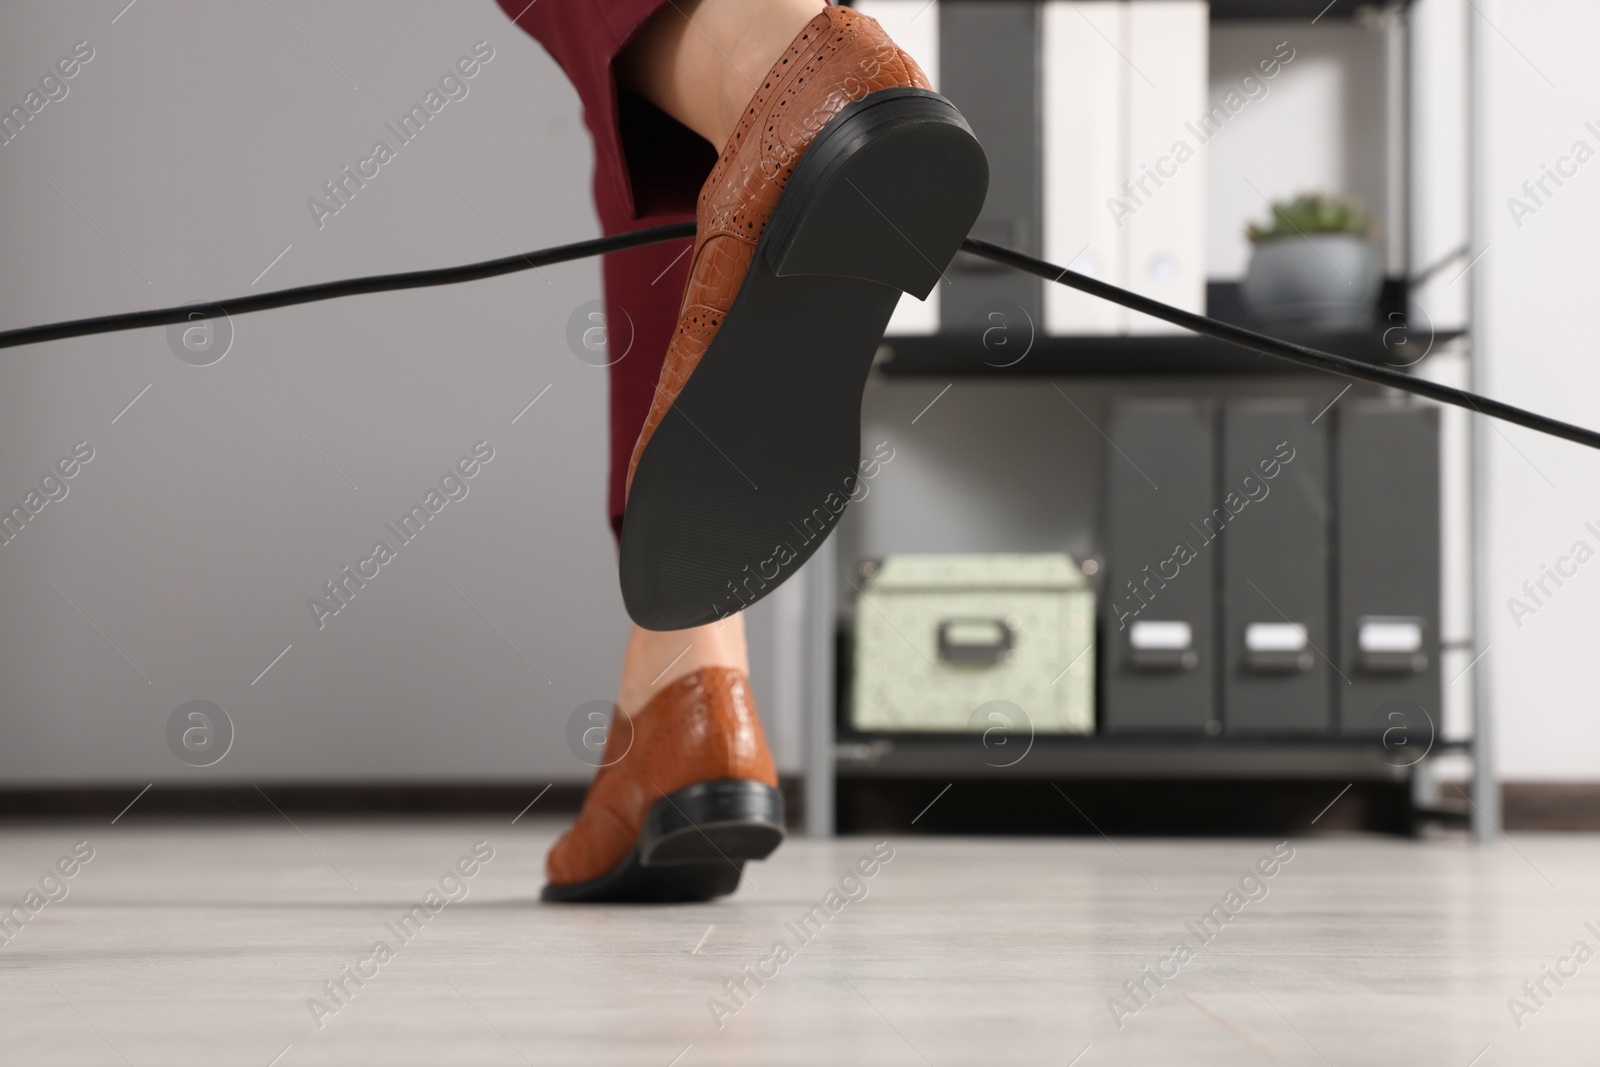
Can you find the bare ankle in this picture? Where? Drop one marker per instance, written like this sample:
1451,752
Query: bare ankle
656,659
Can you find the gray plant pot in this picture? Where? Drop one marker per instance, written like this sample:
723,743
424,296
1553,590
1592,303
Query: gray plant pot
1325,281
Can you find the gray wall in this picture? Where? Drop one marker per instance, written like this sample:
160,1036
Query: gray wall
1536,326
180,562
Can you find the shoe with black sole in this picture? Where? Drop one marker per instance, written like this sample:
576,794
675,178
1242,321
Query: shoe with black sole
693,847
848,183
686,794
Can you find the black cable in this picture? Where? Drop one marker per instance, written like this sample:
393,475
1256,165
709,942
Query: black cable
1236,335
377,283
1271,346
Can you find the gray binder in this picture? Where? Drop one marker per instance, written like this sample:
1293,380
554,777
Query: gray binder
989,66
1158,604
1276,575
1386,475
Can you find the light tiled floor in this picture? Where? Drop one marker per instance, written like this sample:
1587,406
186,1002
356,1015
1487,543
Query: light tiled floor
183,943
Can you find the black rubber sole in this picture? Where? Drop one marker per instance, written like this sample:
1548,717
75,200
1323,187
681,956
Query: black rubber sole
750,471
693,847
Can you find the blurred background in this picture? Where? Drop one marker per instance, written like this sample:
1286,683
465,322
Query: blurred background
1432,213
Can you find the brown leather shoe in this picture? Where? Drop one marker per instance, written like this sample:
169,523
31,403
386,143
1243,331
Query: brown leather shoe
847,182
686,793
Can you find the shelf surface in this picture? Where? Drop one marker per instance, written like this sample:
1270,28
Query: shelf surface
963,355
1102,756
1308,11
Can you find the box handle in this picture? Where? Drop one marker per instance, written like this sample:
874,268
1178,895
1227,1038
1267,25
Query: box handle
984,642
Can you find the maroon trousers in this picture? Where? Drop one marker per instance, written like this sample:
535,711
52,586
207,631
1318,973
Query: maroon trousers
648,169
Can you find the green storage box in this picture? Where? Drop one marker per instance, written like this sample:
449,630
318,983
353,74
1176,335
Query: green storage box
938,637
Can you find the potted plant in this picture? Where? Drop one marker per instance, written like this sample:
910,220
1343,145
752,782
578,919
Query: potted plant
1314,267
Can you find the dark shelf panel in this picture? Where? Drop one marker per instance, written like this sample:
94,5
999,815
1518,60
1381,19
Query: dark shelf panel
1239,10
958,355
1297,10
1124,757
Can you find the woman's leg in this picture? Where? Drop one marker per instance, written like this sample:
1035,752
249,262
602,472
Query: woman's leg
698,61
656,658
688,790
649,166
643,289
648,171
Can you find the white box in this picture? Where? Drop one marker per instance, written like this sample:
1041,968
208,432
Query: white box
1083,115
1164,238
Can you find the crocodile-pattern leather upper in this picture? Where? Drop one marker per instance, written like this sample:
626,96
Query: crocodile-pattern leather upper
838,58
701,728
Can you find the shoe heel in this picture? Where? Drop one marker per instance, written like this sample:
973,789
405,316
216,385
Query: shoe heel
885,193
717,823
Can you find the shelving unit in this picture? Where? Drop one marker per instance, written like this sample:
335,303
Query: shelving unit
1114,757
961,354
1140,362
1127,356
